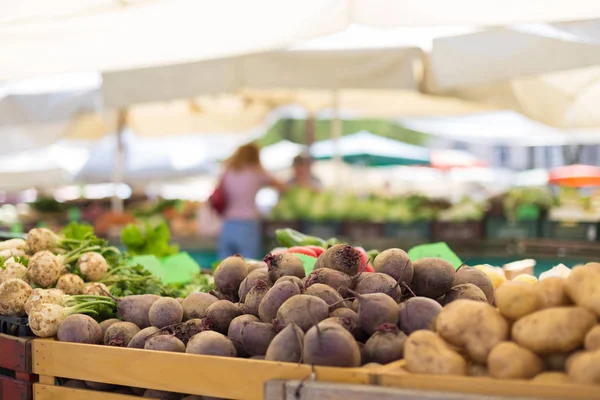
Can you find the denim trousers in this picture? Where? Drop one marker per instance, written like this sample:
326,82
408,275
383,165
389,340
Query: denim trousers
240,237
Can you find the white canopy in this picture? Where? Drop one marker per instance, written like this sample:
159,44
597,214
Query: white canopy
40,37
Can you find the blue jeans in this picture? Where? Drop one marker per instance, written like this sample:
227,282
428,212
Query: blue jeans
240,237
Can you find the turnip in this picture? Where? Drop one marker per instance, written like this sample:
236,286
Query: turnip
39,239
432,277
275,297
106,323
386,345
42,296
287,345
284,264
329,277
136,308
418,313
196,304
138,341
379,283
212,344
302,310
229,275
249,281
234,333
326,293
93,266
294,279
254,298
256,337
395,263
165,343
164,312
95,288
13,270
120,334
221,313
79,328
45,319
70,284
343,258
44,269
161,395
13,296
375,309
329,344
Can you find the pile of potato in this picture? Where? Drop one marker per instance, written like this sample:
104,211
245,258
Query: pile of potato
546,331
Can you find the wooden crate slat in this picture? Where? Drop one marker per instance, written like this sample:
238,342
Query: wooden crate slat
16,353
46,392
489,386
13,389
232,378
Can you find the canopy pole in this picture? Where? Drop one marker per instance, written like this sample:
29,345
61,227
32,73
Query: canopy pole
336,134
118,171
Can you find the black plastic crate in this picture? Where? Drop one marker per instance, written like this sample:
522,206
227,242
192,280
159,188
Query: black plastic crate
498,228
420,230
15,326
587,231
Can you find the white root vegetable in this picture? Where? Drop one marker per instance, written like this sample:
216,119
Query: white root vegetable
70,284
96,289
45,320
43,296
13,244
93,266
44,269
39,239
13,270
14,252
13,296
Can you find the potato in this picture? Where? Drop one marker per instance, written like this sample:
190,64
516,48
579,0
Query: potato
517,299
510,361
477,370
583,286
477,278
552,292
476,326
585,368
552,377
572,357
427,353
592,339
554,330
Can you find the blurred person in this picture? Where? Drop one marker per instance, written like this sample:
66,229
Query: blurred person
303,176
244,176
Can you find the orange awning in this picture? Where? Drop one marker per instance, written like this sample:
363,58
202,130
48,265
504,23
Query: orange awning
577,175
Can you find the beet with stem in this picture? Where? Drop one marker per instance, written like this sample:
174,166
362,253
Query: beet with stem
328,294
211,343
254,298
464,291
135,308
386,345
432,277
343,258
380,283
329,344
375,309
196,304
476,277
120,334
234,333
287,345
302,310
164,312
250,281
284,264
418,313
79,328
294,279
106,323
165,343
275,297
229,275
329,277
139,340
395,263
256,337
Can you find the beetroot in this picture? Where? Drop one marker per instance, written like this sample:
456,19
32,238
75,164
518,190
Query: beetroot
234,333
349,320
294,279
287,345
165,343
254,298
464,291
196,304
386,345
343,258
395,263
229,275
120,334
139,340
256,265
184,331
329,277
418,313
330,295
330,344
375,309
284,264
164,312
212,344
252,279
106,323
275,297
433,277
256,337
302,310
379,283
221,313
135,309
477,278
79,328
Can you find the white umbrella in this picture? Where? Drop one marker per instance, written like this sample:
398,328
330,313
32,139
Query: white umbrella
280,155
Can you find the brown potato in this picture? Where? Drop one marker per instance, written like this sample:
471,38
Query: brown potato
592,339
510,361
572,357
473,325
552,377
585,368
583,286
427,353
552,292
517,299
553,330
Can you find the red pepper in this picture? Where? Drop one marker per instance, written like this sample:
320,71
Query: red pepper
317,249
302,250
364,260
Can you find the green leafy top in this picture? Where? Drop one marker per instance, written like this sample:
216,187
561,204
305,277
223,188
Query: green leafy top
148,240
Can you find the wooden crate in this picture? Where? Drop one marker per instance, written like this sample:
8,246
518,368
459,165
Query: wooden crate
230,378
15,368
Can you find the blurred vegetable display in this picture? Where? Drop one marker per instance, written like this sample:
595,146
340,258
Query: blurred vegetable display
146,239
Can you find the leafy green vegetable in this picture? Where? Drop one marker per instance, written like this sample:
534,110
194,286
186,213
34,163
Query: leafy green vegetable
148,240
129,280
